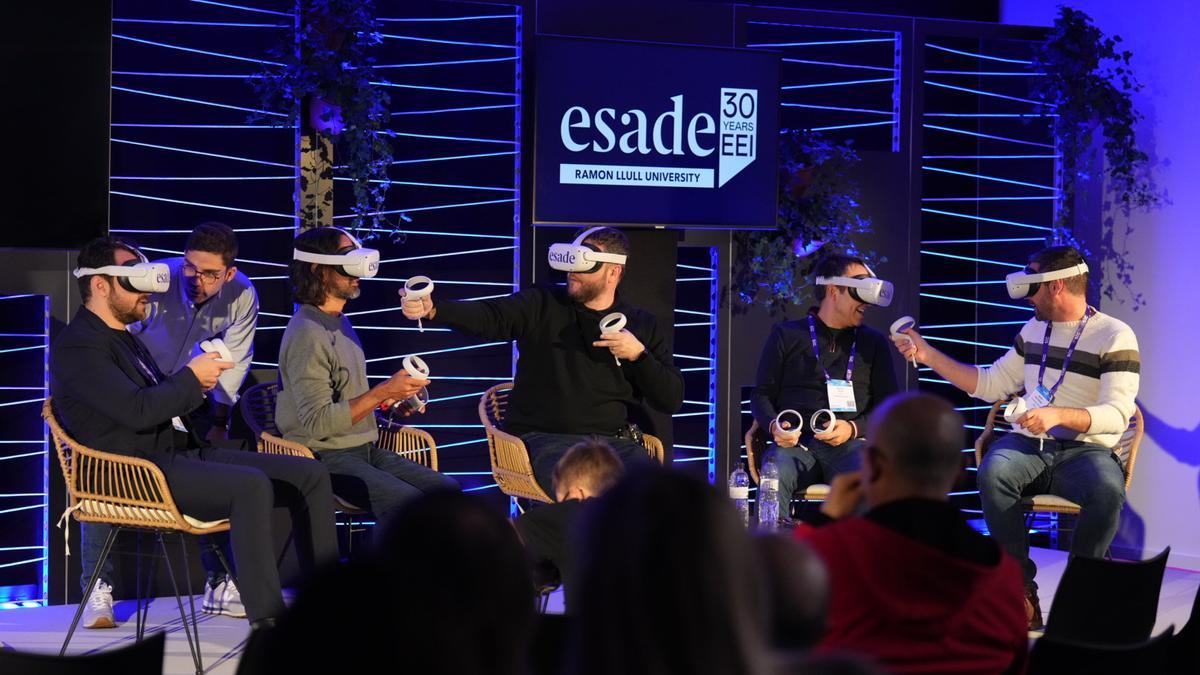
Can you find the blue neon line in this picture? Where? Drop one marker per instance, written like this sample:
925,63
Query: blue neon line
694,370
982,241
975,302
41,388
839,65
21,335
267,278
700,458
197,101
933,380
440,185
446,426
450,110
706,403
452,18
202,177
468,473
692,311
444,159
453,138
991,178
427,329
436,351
448,282
834,107
240,230
24,508
966,342
696,358
146,73
989,199
22,349
452,398
506,378
974,325
991,156
809,25
227,24
260,127
195,51
447,42
968,258
22,494
693,414
242,7
22,548
835,84
425,87
985,73
979,135
992,94
698,268
681,280
31,400
450,234
490,297
991,115
14,297
21,562
483,487
824,42
987,220
978,56
289,216
689,325
426,208
446,255
852,126
447,63
198,152
27,454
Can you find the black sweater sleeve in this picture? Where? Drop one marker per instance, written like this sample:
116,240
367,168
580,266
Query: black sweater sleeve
654,375
883,381
766,386
507,318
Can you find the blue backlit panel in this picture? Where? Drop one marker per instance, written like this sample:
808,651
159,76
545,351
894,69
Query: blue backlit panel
696,299
24,467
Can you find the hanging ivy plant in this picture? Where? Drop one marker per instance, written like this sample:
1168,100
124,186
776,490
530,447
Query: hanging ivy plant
325,77
1090,85
818,211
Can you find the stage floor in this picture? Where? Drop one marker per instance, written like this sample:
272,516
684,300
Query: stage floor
42,629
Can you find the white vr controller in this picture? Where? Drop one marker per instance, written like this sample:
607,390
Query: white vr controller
417,288
613,323
416,367
217,346
790,417
830,421
1015,409
897,330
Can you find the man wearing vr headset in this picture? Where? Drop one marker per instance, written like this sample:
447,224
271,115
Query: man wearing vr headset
1077,371
110,394
326,402
826,361
568,385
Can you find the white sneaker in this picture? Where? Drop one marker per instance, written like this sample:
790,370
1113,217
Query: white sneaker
98,613
223,599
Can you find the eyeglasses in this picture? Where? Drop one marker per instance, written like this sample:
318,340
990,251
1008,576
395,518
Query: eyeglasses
206,277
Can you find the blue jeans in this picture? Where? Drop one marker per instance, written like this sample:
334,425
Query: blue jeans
1088,474
546,449
799,468
92,536
380,480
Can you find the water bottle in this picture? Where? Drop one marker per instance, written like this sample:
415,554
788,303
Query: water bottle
768,495
739,492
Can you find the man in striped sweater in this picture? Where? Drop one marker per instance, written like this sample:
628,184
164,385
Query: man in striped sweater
1063,444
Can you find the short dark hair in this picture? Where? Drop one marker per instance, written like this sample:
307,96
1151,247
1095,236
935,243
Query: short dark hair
1060,258
592,463
923,435
833,265
214,237
307,283
98,252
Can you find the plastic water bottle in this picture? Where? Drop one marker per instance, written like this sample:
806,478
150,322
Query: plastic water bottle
739,492
768,495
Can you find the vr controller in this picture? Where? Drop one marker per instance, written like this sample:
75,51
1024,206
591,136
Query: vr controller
897,331
217,346
613,323
417,288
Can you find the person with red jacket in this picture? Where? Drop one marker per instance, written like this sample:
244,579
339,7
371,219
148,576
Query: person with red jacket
913,586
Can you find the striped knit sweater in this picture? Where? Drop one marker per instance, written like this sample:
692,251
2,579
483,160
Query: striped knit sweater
1102,378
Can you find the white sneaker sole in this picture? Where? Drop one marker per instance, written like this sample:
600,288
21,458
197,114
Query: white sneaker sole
100,622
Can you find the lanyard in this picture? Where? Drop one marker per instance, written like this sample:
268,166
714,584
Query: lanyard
1066,358
812,332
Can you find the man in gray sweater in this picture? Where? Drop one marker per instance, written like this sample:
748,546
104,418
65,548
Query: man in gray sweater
326,402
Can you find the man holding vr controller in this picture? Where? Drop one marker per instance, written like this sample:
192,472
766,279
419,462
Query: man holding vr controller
1077,373
325,401
573,380
827,361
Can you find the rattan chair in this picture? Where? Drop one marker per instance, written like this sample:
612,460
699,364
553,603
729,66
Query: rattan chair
1126,450
756,444
511,466
128,493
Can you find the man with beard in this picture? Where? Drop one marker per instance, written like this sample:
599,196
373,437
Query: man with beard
110,394
572,383
325,401
1079,372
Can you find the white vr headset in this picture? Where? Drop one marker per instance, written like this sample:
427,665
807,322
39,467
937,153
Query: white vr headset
871,290
353,262
580,257
135,276
1025,283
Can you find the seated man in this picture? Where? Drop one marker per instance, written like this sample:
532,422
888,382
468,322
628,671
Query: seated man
572,383
587,470
1079,371
208,298
110,394
325,402
912,584
800,368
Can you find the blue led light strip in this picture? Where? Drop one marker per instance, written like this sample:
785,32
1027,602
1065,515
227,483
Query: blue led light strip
976,55
447,255
979,135
198,152
449,18
969,258
468,139
990,156
976,302
289,216
986,220
966,342
822,42
450,110
837,84
982,241
226,24
989,178
197,101
241,7
985,73
1033,198
992,94
834,107
852,126
425,87
838,65
194,51
414,38
430,64
437,351
426,208
453,157
974,325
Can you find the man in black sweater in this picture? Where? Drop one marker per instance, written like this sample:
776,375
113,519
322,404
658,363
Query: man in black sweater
805,362
109,394
572,382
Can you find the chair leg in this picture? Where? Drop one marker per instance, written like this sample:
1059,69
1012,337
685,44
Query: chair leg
224,562
193,645
188,580
142,609
87,592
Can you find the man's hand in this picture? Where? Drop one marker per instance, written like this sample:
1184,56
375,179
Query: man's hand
784,438
1040,420
207,369
845,495
419,308
913,347
841,432
402,386
623,345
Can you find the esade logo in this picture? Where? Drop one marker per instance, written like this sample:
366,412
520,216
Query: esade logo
630,140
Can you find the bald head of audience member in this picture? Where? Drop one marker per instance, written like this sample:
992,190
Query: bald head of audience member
914,449
587,470
797,586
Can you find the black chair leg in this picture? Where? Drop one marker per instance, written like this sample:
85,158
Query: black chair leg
188,579
193,645
87,592
145,590
224,563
